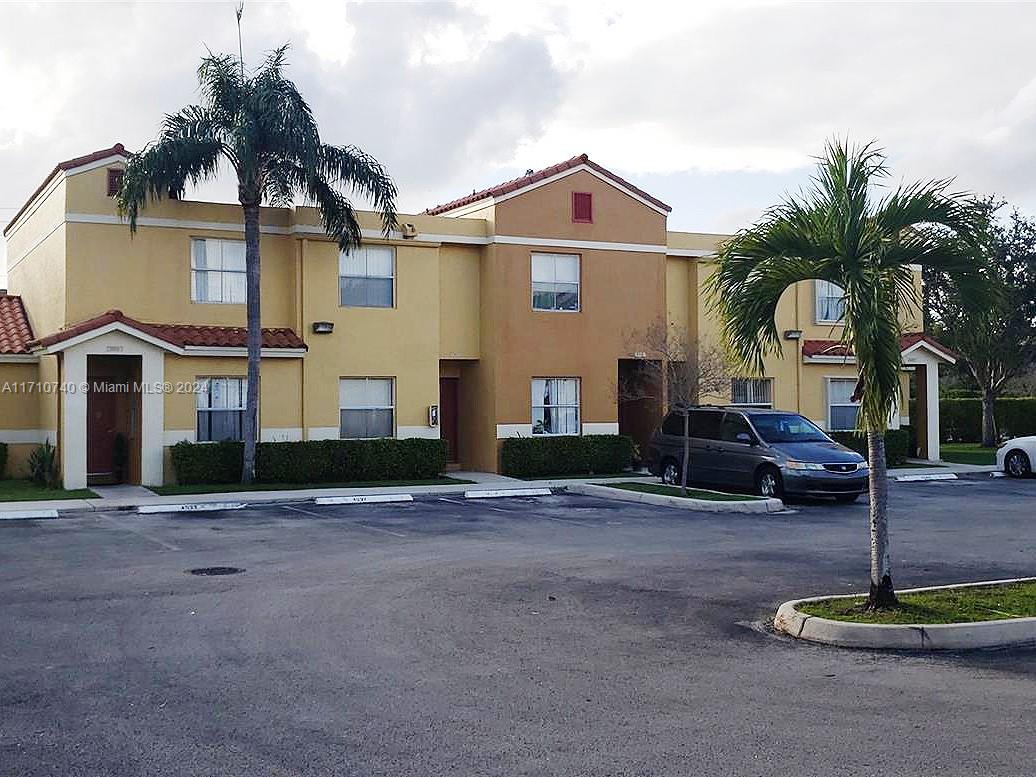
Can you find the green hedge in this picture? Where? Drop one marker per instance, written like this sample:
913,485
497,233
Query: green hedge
591,454
314,461
960,420
897,444
3,458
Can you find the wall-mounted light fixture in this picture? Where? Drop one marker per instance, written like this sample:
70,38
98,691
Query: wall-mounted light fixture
323,327
792,334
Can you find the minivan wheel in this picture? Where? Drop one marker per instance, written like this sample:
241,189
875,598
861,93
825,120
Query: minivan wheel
768,483
1017,464
670,473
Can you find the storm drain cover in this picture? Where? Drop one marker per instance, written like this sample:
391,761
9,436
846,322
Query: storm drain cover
215,571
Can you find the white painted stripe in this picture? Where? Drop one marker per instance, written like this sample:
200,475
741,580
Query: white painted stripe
503,431
601,428
266,353
493,494
692,252
28,436
151,221
422,432
282,434
998,474
19,358
21,515
553,242
322,433
190,507
348,500
933,476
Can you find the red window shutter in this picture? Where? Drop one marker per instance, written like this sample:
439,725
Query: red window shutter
582,207
114,182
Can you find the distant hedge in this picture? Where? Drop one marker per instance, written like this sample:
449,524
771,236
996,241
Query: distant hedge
3,458
313,461
897,444
591,454
960,420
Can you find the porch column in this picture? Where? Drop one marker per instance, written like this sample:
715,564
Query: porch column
72,439
931,390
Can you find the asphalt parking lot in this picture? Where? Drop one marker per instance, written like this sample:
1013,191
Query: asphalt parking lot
559,635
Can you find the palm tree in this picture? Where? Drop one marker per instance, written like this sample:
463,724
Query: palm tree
259,125
841,230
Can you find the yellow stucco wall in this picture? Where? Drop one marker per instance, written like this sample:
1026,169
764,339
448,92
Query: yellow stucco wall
20,402
460,307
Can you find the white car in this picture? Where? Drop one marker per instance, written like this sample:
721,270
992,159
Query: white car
1016,457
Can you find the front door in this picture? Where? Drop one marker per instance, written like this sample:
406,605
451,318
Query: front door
100,432
449,391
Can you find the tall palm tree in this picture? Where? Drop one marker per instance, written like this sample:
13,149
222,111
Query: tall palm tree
842,230
259,125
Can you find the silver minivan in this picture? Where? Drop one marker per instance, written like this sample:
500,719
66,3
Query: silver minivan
771,452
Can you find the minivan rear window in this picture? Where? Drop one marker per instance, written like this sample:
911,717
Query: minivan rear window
673,424
705,424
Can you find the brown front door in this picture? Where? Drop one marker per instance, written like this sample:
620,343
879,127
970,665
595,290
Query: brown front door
448,410
100,432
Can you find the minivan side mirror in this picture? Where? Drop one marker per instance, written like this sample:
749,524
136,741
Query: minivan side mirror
746,438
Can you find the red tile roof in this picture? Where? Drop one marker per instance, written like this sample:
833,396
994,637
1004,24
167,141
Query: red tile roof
68,164
15,332
180,335
539,175
838,348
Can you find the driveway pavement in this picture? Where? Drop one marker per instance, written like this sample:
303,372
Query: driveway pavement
552,636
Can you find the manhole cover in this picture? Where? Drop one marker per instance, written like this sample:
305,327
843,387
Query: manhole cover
215,571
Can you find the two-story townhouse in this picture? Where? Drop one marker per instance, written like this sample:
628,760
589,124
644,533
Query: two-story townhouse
507,312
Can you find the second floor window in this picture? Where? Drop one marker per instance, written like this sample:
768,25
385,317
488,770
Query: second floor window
830,302
367,277
751,392
218,271
555,282
221,408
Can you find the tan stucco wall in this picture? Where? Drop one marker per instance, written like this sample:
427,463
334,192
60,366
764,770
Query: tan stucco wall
20,402
459,306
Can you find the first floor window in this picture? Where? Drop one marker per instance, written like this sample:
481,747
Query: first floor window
830,302
221,408
555,282
367,277
555,405
217,270
366,407
751,392
841,409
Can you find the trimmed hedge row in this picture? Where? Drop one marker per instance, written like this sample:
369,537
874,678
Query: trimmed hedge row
897,444
313,461
591,454
960,420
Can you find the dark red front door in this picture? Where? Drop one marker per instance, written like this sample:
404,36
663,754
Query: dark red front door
448,410
100,431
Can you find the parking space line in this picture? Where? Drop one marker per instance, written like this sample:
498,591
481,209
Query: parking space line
360,525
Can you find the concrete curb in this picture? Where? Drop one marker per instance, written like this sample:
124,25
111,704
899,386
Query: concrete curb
505,492
191,507
934,636
24,515
699,505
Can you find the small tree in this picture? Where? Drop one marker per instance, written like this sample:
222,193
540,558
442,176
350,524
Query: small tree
676,370
996,338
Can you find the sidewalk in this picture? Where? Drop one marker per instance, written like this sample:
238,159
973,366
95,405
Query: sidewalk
114,498
940,468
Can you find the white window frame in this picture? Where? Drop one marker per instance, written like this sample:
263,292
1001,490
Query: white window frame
537,402
578,282
365,250
391,406
752,385
206,381
195,270
829,288
827,397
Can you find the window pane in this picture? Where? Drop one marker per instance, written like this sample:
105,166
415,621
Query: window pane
379,292
198,256
202,395
840,391
234,288
673,424
567,296
380,261
566,269
568,420
843,417
233,252
567,391
353,424
352,262
543,297
379,423
733,425
352,292
378,393
225,424
351,392
705,424
542,268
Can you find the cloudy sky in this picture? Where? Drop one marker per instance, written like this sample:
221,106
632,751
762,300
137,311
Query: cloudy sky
715,108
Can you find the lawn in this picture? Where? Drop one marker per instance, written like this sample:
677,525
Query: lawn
949,605
692,493
967,453
223,488
27,491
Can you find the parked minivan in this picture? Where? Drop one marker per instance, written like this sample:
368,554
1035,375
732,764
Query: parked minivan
771,452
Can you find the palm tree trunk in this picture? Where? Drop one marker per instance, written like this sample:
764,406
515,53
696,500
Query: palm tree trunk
988,419
686,451
882,594
250,425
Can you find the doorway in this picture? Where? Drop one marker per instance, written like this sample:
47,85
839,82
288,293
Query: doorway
449,409
113,420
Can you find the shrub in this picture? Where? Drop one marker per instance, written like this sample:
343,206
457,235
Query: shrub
3,458
591,454
897,444
313,461
960,420
43,465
